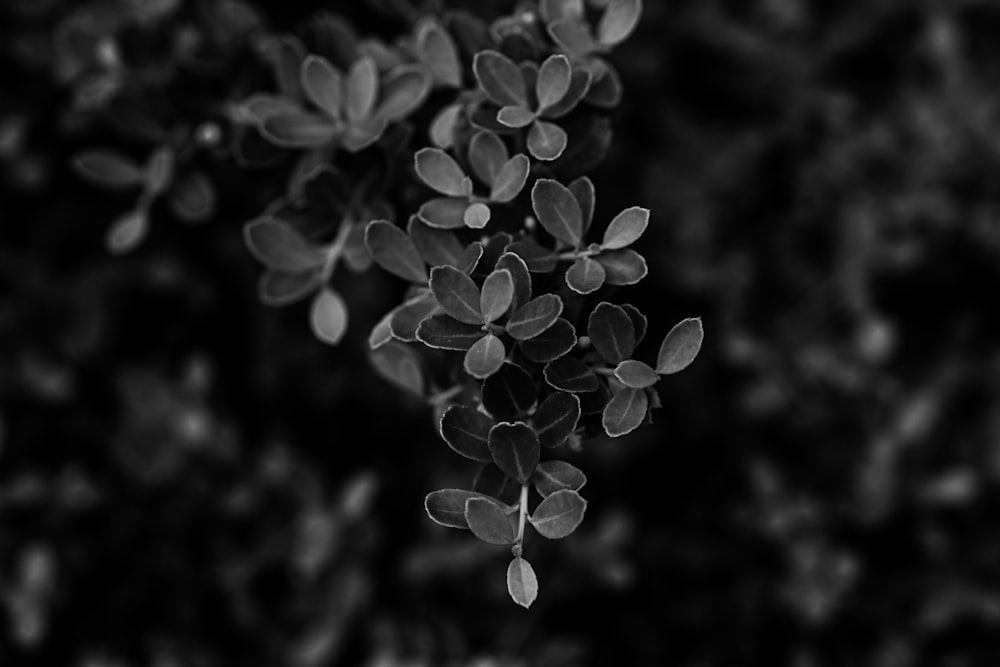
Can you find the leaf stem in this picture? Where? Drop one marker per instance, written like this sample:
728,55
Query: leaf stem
523,513
336,249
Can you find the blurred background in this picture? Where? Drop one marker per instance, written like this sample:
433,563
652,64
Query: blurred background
187,477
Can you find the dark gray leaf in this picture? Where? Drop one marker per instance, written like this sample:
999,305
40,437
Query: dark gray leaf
515,450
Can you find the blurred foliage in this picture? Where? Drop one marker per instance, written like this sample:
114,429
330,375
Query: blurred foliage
179,484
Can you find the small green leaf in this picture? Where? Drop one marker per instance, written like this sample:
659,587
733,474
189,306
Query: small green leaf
491,481
328,316
398,364
488,521
394,251
299,129
680,346
127,232
276,245
323,84
447,506
626,228
553,476
623,267
624,412
557,211
361,89
522,584
534,317
636,374
515,116
570,374
443,332
551,344
509,393
556,418
511,179
496,295
281,289
500,79
485,357
546,141
467,431
520,277
579,86
515,450
585,276
438,247
457,294
553,80
476,216
559,514
444,212
438,53
487,156
611,332
108,169
618,22
440,171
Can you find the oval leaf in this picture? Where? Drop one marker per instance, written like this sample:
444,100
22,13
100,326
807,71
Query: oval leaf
323,84
467,431
456,293
399,365
583,190
476,216
394,251
487,156
520,276
556,418
553,476
579,85
680,346
405,88
551,344
515,116
559,514
553,80
491,481
624,412
573,36
622,267
522,584
509,393
443,332
557,211
626,228
546,141
361,89
488,521
281,289
618,22
440,171
515,450
572,375
442,129
127,232
496,295
447,506
511,179
611,332
108,169
485,357
534,317
299,129
439,54
278,246
500,79
635,374
406,318
585,276
328,316
438,247
444,212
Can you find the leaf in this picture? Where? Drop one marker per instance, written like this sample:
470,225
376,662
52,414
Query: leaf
487,156
127,232
509,393
635,374
569,374
535,257
594,402
299,129
192,198
108,169
394,251
457,294
447,506
444,212
471,257
611,332
488,521
534,317
559,514
442,129
626,228
553,80
467,431
500,79
579,86
623,267
276,245
439,54
438,247
398,365
281,289
440,171
585,276
491,481
680,346
546,141
556,418
160,171
515,450
404,89
557,211
553,476
380,333
552,10
583,190
522,584
496,295
515,116
520,278
618,22
605,88
551,344
443,332
572,36
405,319
624,412
485,357
511,179
323,84
361,89
328,316
359,136
638,321
476,216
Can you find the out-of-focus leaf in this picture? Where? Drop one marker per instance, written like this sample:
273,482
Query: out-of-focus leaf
500,79
361,89
323,84
496,295
556,418
467,431
559,514
404,90
552,10
534,317
546,141
438,52
399,365
444,212
522,584
281,289
680,346
624,412
485,357
491,481
515,116
618,22
108,169
572,36
328,316
299,130
488,521
585,276
535,257
442,129
611,332
515,450
579,86
406,318
557,211
570,374
509,393
160,170
553,80
440,171
625,228
511,179
447,506
487,156
443,332
553,476
276,245
127,232
476,216
355,253
192,198
438,247
605,89
551,344
457,294
635,374
394,251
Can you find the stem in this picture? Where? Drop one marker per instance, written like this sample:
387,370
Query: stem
523,513
336,250
610,372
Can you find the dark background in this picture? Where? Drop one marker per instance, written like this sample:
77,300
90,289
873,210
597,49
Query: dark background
188,477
